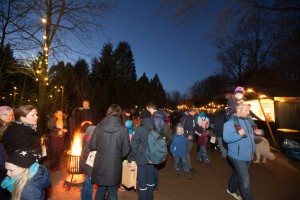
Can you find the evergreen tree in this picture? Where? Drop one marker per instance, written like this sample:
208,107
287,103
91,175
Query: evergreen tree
103,78
125,75
157,91
142,90
81,81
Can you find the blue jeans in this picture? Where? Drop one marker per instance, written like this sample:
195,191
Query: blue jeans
184,163
202,152
222,147
112,192
145,182
155,176
240,177
87,189
189,148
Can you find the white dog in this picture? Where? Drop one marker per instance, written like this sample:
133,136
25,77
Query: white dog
262,148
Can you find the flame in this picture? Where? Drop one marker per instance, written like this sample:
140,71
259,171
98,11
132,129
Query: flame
76,147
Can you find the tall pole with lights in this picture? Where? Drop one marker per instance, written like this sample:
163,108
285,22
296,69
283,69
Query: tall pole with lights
62,96
43,79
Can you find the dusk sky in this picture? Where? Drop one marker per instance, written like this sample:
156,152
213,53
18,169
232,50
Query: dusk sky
180,55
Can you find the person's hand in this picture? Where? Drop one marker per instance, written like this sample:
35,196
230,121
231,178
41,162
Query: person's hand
190,137
242,132
259,132
86,122
64,130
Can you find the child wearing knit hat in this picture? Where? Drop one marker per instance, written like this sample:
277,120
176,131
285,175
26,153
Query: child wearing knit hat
26,179
178,150
233,101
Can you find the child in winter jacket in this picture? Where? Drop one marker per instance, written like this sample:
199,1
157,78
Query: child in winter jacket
202,142
203,121
26,178
233,101
178,149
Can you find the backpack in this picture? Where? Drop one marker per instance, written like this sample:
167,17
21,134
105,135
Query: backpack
156,150
168,133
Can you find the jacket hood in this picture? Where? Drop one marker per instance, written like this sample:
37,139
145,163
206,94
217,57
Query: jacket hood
111,124
148,122
161,114
41,178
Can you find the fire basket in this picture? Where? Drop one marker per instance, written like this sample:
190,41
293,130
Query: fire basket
73,168
73,163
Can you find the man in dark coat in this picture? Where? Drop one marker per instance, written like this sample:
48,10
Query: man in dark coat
111,141
220,119
159,117
139,142
188,121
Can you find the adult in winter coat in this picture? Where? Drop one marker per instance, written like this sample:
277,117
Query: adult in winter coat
139,143
220,119
190,125
87,187
58,128
26,179
240,152
111,141
159,117
22,132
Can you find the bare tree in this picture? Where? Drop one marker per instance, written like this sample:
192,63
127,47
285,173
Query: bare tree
65,22
248,47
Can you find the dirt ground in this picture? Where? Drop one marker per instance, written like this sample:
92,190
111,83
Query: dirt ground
276,180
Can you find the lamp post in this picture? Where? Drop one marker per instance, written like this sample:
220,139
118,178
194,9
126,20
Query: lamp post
14,95
62,96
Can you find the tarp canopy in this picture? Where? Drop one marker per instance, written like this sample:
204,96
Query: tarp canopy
268,107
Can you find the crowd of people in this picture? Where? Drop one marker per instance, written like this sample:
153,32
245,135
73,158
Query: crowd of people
121,135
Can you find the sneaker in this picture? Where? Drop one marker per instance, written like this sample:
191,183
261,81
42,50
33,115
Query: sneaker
234,195
208,164
122,188
200,161
192,170
188,175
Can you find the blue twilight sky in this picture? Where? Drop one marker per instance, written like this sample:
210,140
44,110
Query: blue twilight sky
180,55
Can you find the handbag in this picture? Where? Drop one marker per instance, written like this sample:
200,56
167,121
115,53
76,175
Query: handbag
90,159
129,174
213,139
44,151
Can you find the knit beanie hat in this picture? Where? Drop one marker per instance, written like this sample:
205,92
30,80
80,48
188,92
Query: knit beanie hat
4,108
239,89
203,114
179,125
129,123
24,157
145,114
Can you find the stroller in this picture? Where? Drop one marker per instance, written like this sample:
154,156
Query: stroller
292,149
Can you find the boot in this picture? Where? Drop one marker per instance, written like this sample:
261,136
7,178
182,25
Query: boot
188,175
